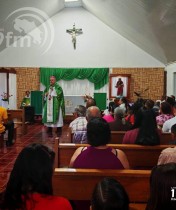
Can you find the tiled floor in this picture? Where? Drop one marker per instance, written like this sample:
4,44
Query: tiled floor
36,133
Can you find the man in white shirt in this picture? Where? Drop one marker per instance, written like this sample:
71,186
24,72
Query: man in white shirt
168,124
80,122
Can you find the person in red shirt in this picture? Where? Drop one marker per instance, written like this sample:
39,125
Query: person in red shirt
30,183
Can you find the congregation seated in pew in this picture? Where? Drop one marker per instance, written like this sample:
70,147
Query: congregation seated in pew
136,154
98,154
145,131
80,133
117,137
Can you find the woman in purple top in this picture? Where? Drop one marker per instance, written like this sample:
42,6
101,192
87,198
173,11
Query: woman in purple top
98,154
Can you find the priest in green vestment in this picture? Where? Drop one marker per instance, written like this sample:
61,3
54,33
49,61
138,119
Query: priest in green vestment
54,107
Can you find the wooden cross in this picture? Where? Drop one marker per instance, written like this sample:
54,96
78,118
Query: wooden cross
74,32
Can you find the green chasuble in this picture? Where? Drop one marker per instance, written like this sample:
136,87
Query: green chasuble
57,103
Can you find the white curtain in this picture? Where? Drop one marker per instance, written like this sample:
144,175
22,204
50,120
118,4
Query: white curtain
78,87
3,85
12,91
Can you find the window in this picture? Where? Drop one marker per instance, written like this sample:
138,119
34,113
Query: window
73,3
70,0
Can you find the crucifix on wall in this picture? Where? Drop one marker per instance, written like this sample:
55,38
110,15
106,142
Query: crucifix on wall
74,32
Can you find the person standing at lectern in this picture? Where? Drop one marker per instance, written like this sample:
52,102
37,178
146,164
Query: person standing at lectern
54,107
26,100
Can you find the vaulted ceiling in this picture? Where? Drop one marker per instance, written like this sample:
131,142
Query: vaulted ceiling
151,24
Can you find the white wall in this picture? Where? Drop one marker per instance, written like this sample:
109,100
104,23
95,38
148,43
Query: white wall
9,6
171,69
98,46
3,86
12,89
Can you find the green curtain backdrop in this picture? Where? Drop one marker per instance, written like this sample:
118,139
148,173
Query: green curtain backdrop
98,76
101,99
36,101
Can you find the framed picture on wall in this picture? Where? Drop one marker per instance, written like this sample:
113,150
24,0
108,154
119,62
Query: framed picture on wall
119,85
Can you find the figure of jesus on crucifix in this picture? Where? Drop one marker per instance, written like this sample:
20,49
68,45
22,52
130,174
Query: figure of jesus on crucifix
74,32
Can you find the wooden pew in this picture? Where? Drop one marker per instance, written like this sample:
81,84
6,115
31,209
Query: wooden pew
165,138
78,184
18,116
139,157
117,137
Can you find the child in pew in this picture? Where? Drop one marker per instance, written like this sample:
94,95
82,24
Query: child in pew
109,194
163,188
30,183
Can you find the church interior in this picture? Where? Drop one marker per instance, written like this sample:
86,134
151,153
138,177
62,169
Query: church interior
87,45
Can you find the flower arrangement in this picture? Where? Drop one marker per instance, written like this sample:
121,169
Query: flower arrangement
5,96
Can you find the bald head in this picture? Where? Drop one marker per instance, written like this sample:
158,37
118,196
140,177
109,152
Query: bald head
92,112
